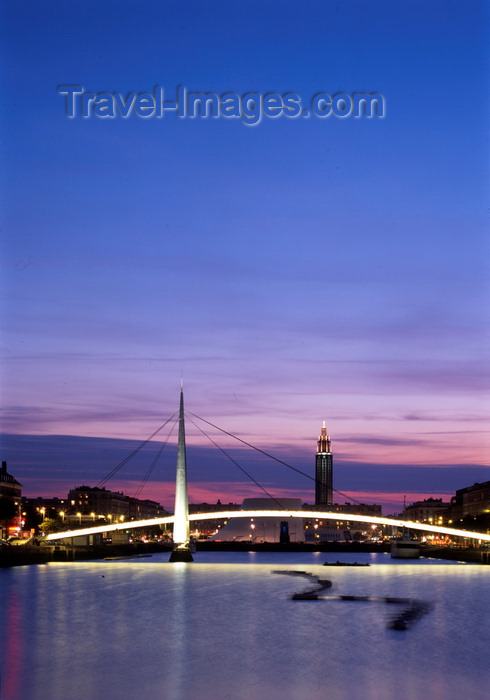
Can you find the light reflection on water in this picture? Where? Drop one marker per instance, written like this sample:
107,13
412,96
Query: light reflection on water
229,631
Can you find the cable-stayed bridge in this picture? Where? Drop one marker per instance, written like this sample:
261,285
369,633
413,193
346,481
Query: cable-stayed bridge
182,518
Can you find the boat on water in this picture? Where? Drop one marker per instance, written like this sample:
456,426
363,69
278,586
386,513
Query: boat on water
128,556
343,563
404,547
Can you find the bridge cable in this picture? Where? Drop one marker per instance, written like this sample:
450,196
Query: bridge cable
135,451
276,459
154,462
238,465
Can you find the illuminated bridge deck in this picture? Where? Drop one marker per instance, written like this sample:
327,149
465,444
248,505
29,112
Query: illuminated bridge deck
283,514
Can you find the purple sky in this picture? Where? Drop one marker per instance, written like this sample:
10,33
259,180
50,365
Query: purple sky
293,271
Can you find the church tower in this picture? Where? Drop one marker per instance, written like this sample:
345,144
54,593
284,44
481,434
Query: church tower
323,470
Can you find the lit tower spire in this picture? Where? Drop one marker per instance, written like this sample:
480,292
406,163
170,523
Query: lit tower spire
181,550
323,470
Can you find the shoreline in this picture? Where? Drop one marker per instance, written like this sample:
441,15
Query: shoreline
24,554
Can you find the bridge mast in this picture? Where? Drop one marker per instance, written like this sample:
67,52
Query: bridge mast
181,551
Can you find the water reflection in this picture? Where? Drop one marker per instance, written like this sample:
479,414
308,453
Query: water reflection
208,631
13,649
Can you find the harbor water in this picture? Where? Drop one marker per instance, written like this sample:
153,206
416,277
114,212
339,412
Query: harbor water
225,628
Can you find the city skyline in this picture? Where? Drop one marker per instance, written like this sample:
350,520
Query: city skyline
295,271
212,476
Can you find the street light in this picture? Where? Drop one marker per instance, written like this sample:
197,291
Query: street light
43,512
62,515
92,515
79,515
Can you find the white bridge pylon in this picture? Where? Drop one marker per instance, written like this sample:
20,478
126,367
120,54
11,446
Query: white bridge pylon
283,514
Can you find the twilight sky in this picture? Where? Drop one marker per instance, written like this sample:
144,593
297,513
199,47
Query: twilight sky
299,270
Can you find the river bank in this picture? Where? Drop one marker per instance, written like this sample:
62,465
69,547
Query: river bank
42,554
25,554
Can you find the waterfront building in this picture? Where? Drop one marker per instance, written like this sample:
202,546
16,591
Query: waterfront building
9,487
205,528
472,500
48,507
470,507
323,470
323,529
430,510
87,504
318,533
10,498
263,529
87,500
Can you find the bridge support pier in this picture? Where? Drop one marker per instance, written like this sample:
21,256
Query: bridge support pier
181,553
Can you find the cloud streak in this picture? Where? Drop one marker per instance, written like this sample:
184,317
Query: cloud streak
51,465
